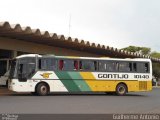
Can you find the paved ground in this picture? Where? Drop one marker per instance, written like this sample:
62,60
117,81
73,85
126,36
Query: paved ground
148,102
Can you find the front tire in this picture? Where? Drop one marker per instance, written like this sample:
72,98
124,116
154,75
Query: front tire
42,89
121,89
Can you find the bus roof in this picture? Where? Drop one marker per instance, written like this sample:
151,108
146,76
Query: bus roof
28,55
87,58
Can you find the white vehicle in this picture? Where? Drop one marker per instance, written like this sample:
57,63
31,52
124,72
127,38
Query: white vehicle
4,79
47,73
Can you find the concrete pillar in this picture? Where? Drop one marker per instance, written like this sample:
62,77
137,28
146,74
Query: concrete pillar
14,54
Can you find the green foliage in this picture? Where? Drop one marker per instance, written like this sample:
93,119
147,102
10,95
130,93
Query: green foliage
155,54
131,49
156,70
156,66
143,50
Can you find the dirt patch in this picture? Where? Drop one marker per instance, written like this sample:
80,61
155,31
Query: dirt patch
4,90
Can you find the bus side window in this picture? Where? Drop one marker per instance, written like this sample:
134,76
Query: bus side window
87,65
130,66
80,65
112,66
146,67
75,65
39,64
101,66
47,64
135,67
61,63
143,67
95,65
125,67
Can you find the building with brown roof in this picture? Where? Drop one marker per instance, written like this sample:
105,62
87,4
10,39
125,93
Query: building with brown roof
16,40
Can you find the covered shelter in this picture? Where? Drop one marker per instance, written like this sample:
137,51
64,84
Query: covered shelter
17,40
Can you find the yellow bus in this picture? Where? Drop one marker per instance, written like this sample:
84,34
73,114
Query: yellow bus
42,74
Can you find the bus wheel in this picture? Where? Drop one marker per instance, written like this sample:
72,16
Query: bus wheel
121,89
42,89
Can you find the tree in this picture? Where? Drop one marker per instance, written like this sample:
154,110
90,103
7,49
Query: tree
156,70
155,54
142,50
156,66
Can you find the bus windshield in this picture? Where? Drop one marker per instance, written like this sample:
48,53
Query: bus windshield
22,68
26,67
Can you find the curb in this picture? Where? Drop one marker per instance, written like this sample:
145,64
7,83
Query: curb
156,87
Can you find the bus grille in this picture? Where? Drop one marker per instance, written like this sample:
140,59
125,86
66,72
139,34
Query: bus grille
142,85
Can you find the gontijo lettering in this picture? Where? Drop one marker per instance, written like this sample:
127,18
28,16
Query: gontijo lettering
120,76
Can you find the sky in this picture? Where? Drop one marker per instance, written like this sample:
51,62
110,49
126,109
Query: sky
114,23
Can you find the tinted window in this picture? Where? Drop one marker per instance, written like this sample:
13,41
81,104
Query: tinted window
146,65
47,64
26,67
87,65
142,67
124,67
135,67
102,66
76,65
111,66
68,65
